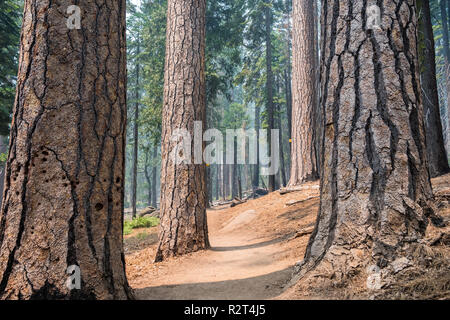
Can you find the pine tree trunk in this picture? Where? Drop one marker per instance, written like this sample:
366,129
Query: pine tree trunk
3,148
303,151
136,141
234,175
154,173
287,73
269,89
280,142
445,39
437,157
375,188
184,195
63,197
148,178
255,178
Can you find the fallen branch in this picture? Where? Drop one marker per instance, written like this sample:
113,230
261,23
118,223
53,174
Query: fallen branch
148,211
237,201
303,232
294,202
297,188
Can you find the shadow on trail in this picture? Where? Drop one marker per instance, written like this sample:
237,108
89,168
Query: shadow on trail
250,246
261,287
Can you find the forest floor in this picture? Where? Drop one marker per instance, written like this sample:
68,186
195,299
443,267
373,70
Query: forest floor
254,247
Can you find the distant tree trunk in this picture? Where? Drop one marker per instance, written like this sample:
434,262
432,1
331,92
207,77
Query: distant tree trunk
217,181
445,39
3,149
280,142
64,186
208,186
154,173
255,179
303,151
437,157
288,84
269,88
148,178
184,195
222,180
136,139
234,176
375,188
318,116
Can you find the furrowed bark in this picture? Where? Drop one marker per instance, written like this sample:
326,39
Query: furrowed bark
184,195
63,197
375,189
303,151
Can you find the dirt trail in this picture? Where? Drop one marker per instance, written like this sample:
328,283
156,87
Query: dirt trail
253,250
254,247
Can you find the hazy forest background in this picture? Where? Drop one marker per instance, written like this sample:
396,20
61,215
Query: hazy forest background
236,75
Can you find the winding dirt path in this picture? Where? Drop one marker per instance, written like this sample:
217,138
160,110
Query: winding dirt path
253,251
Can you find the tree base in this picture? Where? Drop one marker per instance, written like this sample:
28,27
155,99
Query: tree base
419,271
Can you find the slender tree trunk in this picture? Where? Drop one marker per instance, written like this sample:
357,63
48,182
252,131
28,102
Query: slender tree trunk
269,88
135,138
234,177
318,116
287,74
303,151
63,198
375,188
280,142
255,182
437,157
3,148
184,195
445,39
154,173
217,182
148,178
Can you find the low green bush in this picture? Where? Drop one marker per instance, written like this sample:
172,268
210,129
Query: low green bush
140,222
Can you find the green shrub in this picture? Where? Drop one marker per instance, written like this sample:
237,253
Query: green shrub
140,222
127,229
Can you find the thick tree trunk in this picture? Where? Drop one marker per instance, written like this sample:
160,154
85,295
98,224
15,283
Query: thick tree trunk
183,226
303,151
136,140
437,157
63,197
375,188
269,88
